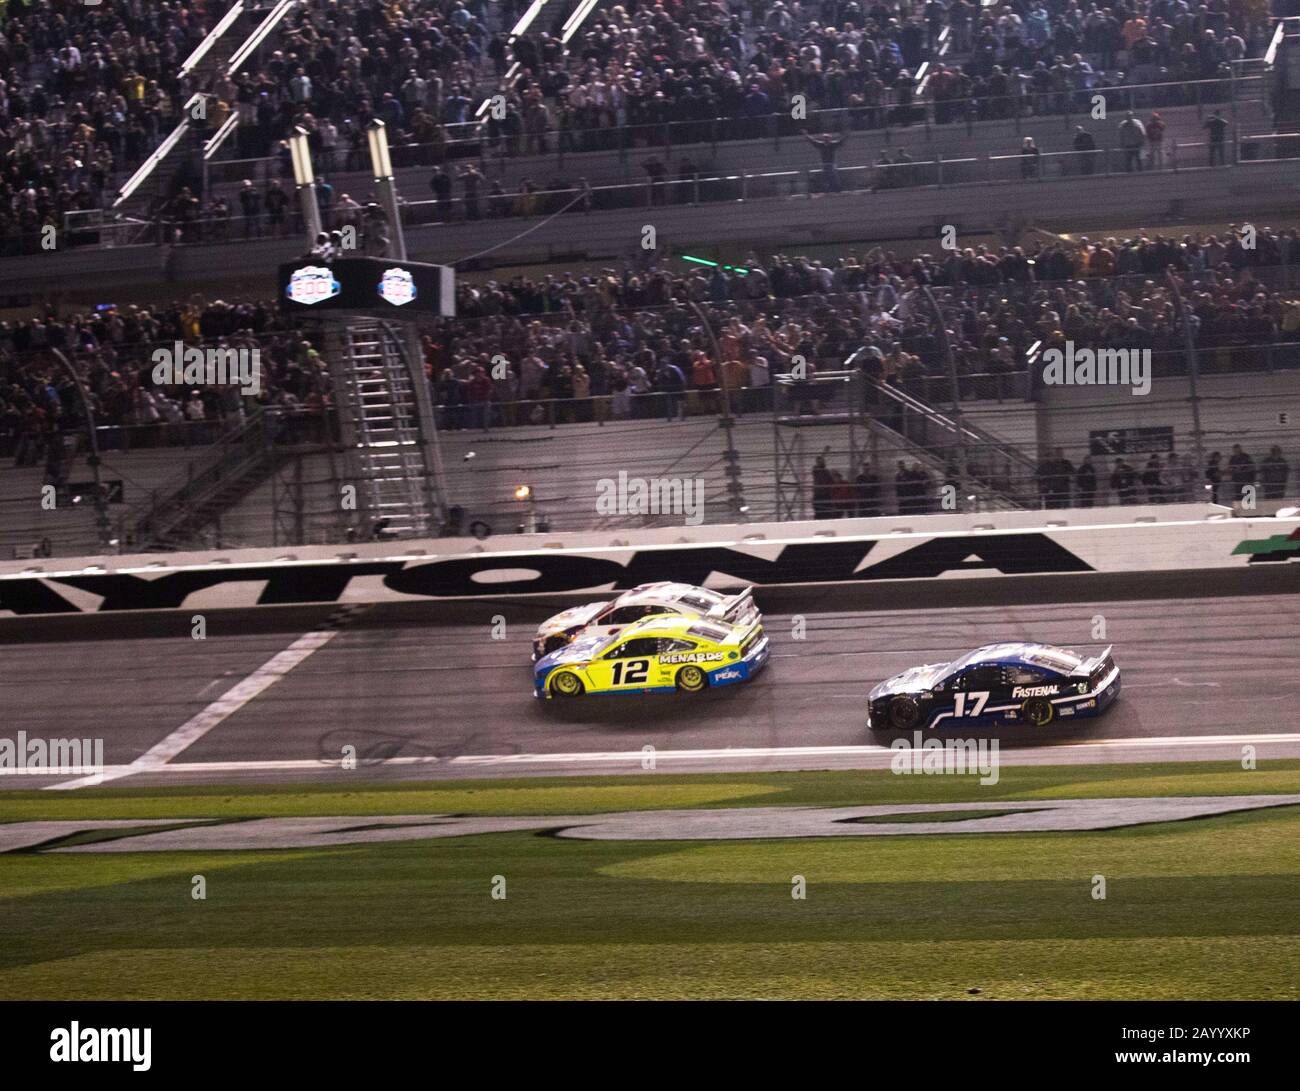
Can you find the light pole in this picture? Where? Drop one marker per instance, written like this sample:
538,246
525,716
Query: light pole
951,363
1193,371
304,177
92,460
382,165
735,490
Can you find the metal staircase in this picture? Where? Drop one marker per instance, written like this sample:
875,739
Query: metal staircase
1003,473
380,412
179,517
863,416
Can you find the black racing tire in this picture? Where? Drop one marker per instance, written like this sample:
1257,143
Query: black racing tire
565,684
904,713
692,679
1039,711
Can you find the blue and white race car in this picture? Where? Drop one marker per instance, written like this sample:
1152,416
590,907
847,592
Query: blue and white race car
1008,683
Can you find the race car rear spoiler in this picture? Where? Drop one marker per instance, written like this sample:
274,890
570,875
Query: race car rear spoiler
729,609
1086,668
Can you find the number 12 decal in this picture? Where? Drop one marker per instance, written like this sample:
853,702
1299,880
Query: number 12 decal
635,671
979,699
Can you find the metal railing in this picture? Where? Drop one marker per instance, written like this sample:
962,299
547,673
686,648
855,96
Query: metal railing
472,139
184,506
935,172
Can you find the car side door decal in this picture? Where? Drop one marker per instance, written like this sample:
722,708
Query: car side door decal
970,702
630,672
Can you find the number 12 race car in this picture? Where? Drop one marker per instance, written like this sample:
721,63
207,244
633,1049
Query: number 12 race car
647,600
998,683
656,655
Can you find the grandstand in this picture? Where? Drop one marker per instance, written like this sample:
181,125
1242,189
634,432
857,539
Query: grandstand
870,222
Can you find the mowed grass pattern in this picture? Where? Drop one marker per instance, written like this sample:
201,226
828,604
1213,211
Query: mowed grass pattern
1199,909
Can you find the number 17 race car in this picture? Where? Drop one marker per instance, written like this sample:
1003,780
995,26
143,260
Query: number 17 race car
998,683
656,655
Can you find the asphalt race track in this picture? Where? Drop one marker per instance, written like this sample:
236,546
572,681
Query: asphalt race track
424,689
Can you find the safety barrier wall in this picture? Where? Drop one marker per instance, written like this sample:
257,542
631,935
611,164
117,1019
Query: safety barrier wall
777,221
1169,538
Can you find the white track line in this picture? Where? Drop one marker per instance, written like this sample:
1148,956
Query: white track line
193,729
614,757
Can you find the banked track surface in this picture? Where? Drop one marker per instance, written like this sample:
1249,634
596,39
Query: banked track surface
424,689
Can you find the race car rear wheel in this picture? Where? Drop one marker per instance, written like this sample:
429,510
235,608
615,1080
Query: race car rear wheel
692,680
903,713
566,684
1038,711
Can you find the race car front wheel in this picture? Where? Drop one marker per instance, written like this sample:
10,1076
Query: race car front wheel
566,684
692,679
903,713
1038,711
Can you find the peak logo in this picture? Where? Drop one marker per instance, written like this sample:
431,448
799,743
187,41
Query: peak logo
120,1045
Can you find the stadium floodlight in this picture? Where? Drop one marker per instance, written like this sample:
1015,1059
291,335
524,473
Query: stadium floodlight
520,28
382,166
304,176
300,154
377,136
575,21
526,20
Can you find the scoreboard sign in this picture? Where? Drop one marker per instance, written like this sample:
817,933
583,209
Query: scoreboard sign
370,285
1131,441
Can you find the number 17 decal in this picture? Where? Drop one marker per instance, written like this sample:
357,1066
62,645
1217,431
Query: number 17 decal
979,698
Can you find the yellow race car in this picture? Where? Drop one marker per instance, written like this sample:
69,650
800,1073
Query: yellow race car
659,654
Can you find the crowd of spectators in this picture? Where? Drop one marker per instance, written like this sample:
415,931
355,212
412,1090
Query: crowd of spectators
640,327
1156,477
111,350
601,345
1162,477
638,67
86,91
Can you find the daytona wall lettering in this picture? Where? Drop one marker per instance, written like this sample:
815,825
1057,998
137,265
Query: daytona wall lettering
845,561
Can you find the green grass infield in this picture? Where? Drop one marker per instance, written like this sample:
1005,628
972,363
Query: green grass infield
1206,908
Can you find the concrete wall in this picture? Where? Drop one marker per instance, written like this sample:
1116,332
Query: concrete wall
1184,538
1246,408
790,152
767,223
